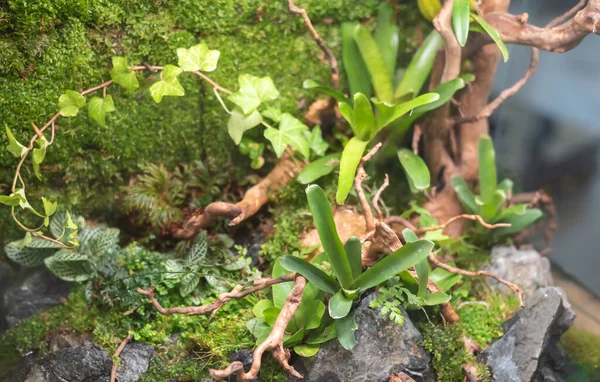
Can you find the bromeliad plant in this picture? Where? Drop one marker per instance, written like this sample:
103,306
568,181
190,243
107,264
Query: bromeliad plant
349,281
490,204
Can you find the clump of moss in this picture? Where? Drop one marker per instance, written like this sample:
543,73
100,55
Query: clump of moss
583,347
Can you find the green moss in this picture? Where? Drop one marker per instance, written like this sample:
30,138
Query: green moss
51,46
481,322
583,347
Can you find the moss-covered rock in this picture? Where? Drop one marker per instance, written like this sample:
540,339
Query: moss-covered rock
49,46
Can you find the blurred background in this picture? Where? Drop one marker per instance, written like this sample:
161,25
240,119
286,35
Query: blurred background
548,136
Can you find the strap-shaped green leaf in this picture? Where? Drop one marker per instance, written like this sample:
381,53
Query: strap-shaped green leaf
415,169
382,82
519,222
345,328
323,218
487,170
353,249
422,269
388,113
339,305
351,156
409,235
387,37
280,290
465,195
319,168
460,20
436,298
313,85
420,66
390,265
492,32
364,120
313,274
444,279
354,65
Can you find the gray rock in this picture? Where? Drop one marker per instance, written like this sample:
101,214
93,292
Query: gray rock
245,357
383,348
135,359
526,268
38,291
520,355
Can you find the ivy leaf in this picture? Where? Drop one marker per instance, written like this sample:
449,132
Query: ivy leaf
272,113
315,141
198,57
239,123
24,203
122,75
168,85
49,209
14,147
38,156
98,108
253,91
70,102
290,132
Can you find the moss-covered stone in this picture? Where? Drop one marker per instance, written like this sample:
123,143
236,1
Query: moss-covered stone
49,46
584,349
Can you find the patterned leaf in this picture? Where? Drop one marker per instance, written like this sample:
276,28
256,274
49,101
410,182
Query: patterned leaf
33,254
189,282
199,249
69,265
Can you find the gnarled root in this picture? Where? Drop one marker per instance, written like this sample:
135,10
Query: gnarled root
274,341
253,200
113,371
238,291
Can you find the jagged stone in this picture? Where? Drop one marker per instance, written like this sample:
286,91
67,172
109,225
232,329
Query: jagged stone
521,354
383,348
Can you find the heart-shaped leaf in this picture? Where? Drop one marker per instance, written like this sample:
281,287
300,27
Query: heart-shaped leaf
351,156
99,107
239,123
122,75
69,103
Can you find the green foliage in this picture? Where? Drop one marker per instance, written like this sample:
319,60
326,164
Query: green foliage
122,75
420,66
490,204
198,57
99,107
158,196
583,347
168,85
484,27
70,102
460,20
415,169
290,133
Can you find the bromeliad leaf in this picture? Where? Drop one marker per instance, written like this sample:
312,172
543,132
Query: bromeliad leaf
323,218
487,170
392,264
253,91
351,156
339,305
168,85
345,328
353,249
465,195
354,65
14,147
493,33
313,274
460,20
420,66
371,55
415,169
99,107
388,113
387,37
518,222
319,168
290,132
313,85
239,123
122,75
198,57
69,103
363,118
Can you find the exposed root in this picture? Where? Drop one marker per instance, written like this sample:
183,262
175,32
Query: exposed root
416,139
237,292
463,272
335,73
491,107
274,341
113,371
361,175
253,200
462,216
400,220
375,200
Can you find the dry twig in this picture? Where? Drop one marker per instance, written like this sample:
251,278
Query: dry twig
375,200
113,371
443,24
237,292
335,73
274,341
463,272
